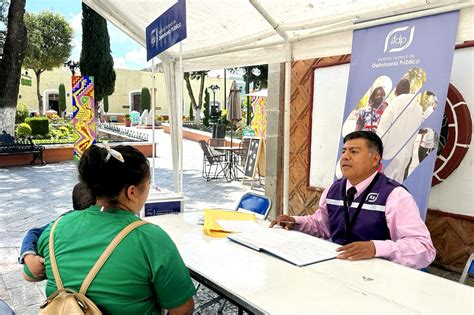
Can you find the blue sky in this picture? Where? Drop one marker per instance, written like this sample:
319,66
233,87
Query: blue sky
127,53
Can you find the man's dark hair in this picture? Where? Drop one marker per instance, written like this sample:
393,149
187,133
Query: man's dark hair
106,176
82,197
374,143
403,87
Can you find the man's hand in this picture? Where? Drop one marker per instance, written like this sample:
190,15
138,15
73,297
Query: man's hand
284,221
35,264
357,250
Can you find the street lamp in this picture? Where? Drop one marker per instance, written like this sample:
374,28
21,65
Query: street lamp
73,65
214,109
214,88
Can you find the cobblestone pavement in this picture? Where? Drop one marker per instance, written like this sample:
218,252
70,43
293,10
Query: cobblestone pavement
32,196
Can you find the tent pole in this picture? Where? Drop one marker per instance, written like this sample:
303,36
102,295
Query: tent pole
180,106
286,137
286,119
153,103
225,86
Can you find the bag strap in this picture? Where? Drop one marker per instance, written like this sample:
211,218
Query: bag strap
52,257
105,255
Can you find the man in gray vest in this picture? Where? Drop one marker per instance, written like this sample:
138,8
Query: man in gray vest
368,213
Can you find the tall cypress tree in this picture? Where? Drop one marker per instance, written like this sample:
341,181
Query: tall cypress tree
62,99
96,59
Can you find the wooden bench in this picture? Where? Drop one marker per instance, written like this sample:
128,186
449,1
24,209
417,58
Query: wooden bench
11,146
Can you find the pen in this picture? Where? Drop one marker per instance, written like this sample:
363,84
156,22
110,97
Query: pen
286,222
289,222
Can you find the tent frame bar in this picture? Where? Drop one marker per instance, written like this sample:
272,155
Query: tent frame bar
247,43
286,119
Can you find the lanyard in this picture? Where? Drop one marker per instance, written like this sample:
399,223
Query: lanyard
350,222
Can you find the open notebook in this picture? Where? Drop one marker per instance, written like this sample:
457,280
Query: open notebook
295,247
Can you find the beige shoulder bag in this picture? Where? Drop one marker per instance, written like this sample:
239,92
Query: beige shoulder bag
67,301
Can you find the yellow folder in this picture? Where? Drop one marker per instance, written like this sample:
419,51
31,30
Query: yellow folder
213,229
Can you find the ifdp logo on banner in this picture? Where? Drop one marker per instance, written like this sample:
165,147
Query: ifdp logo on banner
399,39
83,117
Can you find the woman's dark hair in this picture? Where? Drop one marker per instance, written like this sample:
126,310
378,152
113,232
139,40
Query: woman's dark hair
403,87
108,178
374,92
374,143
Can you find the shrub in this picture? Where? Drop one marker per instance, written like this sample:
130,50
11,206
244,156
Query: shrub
62,98
64,130
22,112
39,125
106,104
23,130
205,121
191,112
145,98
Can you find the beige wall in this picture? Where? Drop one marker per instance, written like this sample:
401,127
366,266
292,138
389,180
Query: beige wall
127,81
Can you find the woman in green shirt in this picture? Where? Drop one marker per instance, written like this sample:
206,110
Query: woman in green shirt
145,273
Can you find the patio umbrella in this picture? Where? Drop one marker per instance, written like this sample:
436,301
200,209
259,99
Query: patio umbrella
234,111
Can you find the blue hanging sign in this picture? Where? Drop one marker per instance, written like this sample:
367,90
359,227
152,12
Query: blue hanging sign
167,30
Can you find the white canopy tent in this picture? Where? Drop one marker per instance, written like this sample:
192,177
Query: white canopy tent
232,33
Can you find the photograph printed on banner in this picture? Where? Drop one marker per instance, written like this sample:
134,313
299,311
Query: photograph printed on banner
395,116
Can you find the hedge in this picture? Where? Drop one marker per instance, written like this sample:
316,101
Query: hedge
39,125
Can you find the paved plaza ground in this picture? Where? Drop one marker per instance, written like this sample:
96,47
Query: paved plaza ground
32,196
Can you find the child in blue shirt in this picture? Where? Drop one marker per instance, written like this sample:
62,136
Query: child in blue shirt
82,198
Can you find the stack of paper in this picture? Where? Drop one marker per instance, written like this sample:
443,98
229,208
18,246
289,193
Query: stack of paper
295,247
212,218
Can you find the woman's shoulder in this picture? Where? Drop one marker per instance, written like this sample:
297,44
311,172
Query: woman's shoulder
150,230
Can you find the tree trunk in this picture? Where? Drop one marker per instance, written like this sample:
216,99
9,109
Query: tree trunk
201,88
197,117
190,90
38,94
10,65
247,91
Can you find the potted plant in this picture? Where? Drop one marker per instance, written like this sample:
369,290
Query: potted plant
127,120
158,120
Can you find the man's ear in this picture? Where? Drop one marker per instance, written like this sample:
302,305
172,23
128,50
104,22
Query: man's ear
376,159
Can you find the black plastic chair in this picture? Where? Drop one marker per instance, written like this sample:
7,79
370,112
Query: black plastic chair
213,161
243,150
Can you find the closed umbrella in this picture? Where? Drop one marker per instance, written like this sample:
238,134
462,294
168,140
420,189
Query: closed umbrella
234,111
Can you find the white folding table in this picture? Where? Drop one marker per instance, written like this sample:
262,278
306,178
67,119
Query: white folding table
263,284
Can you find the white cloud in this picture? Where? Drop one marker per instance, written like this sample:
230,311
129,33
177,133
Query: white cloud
117,36
126,53
137,56
76,24
119,63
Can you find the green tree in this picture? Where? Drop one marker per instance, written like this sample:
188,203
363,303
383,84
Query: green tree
62,99
3,24
145,99
49,44
258,75
106,104
10,65
191,112
96,59
197,106
205,121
